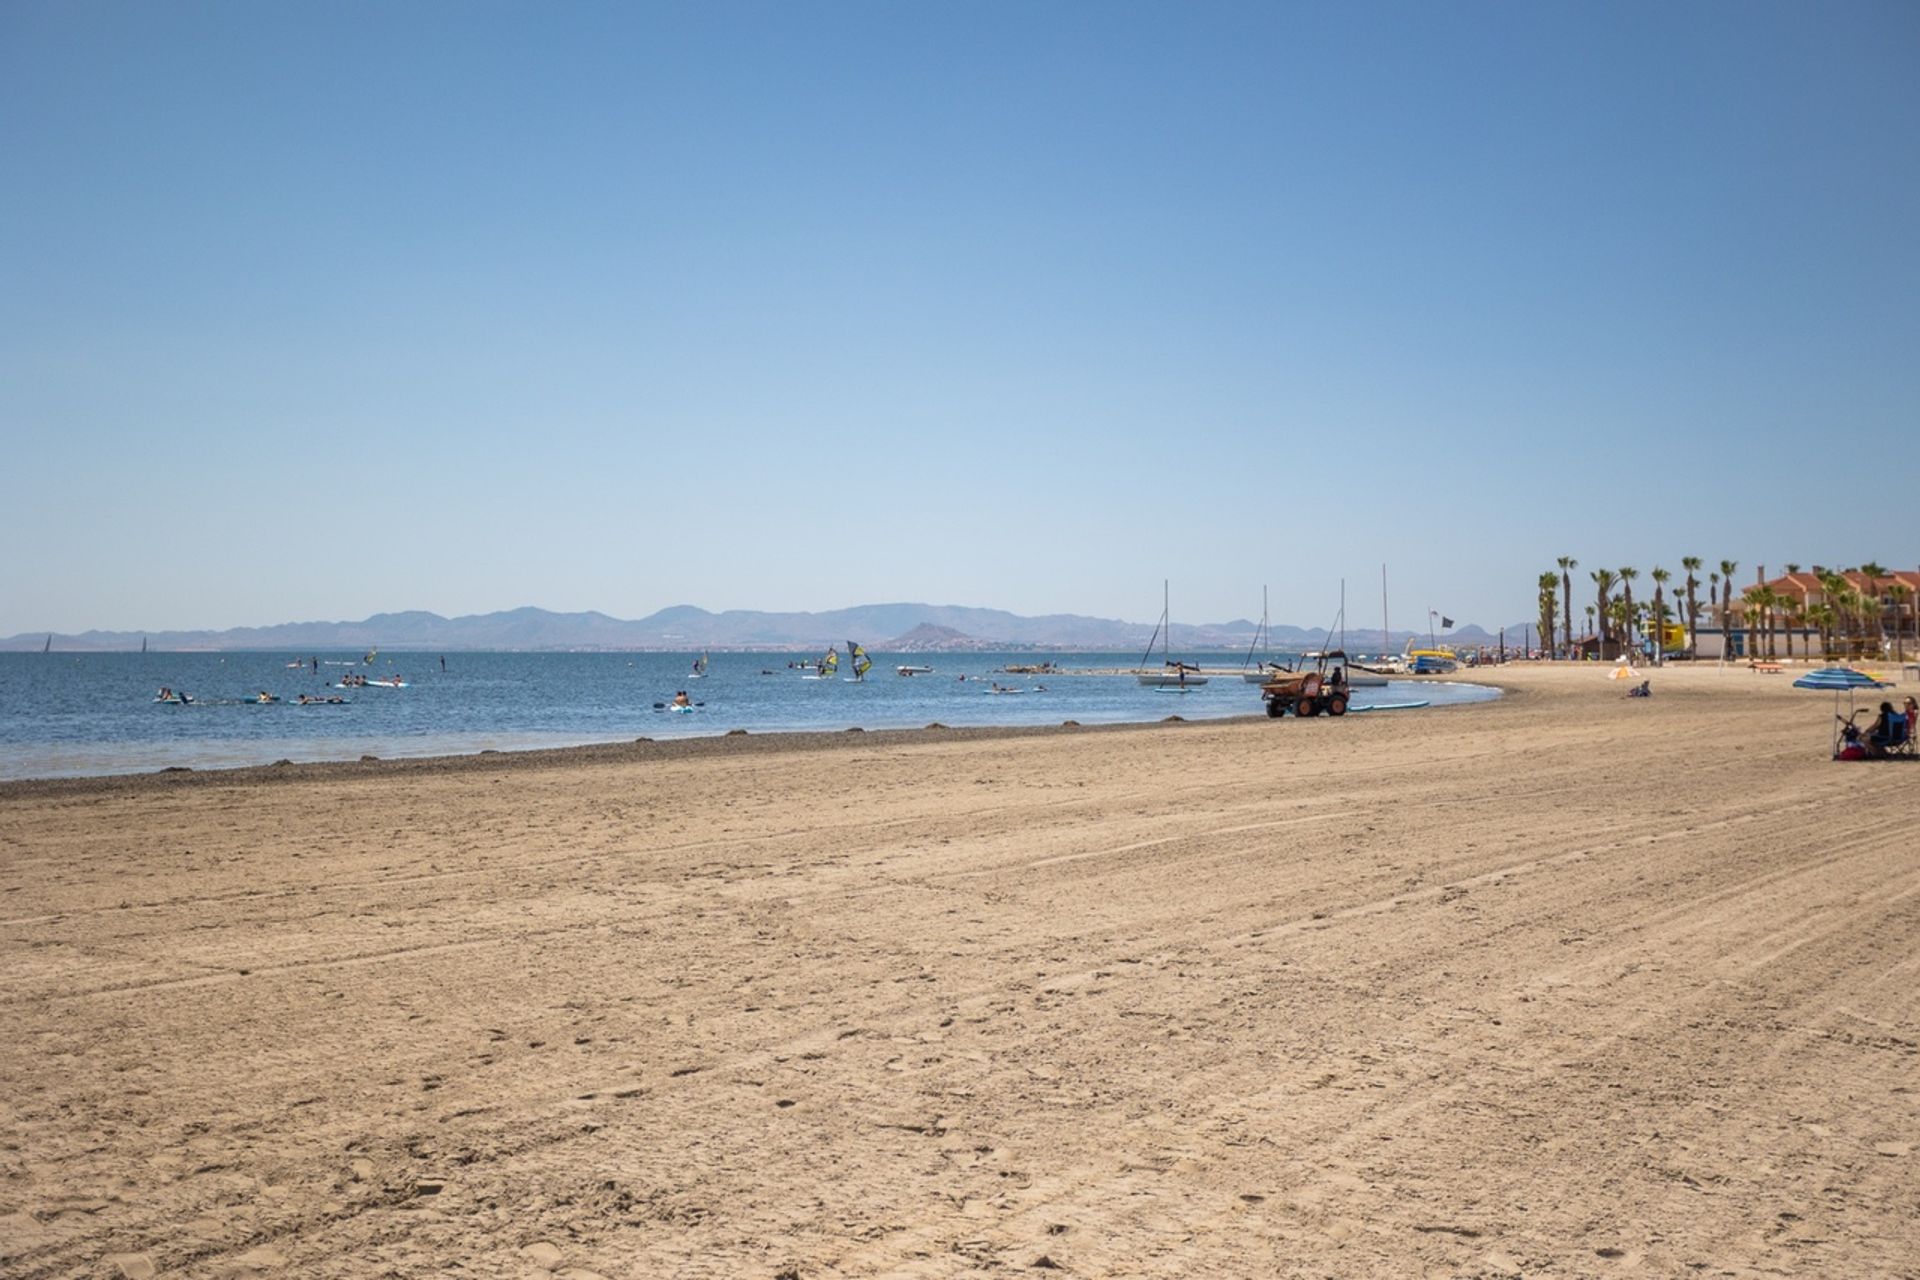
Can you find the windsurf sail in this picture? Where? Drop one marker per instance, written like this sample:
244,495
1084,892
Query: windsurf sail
371,654
48,646
830,663
700,664
861,663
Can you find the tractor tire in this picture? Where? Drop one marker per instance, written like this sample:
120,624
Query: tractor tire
1306,709
1337,705
1276,708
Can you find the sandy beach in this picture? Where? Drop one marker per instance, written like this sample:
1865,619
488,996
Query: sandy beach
1566,984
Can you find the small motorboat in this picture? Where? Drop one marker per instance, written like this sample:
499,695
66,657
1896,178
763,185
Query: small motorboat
914,671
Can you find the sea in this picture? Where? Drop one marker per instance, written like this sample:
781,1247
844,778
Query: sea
83,714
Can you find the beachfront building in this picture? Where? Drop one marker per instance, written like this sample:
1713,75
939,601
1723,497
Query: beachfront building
1817,613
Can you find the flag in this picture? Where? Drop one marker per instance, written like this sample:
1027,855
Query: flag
1446,623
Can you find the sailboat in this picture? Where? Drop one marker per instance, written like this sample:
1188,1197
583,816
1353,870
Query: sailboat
48,646
143,644
1359,677
1174,674
826,667
860,661
1262,635
699,666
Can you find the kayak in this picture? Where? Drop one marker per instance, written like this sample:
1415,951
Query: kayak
1390,706
385,684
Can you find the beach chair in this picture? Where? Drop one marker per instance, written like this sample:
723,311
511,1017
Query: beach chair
1899,744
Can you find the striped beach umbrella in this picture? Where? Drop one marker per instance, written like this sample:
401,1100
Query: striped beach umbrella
1837,679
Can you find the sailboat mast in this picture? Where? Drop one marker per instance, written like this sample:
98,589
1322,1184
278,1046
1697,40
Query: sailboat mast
1343,615
1386,632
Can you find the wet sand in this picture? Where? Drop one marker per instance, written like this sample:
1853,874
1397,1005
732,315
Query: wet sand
1567,984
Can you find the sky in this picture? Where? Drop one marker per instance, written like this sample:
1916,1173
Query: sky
316,311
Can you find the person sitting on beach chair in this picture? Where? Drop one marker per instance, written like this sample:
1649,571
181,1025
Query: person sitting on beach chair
1890,734
1642,690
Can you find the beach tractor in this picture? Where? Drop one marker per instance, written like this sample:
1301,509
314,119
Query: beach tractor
1323,690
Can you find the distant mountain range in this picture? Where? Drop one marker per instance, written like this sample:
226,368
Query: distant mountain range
883,628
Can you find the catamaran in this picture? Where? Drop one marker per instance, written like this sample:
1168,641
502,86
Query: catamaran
860,661
1175,675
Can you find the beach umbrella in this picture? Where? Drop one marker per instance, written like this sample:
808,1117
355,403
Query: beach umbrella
1837,679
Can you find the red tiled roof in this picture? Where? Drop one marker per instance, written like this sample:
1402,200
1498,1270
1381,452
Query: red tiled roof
1804,584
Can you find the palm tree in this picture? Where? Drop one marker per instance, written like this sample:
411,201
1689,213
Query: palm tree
1822,616
1727,568
1627,575
1899,591
1873,571
1589,619
1770,602
1833,592
1660,579
1567,565
1617,615
1603,580
1549,606
1754,609
1692,565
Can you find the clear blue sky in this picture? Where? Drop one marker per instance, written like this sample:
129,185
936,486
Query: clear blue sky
311,311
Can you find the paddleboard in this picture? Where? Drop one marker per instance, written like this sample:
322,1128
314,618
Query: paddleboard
1389,706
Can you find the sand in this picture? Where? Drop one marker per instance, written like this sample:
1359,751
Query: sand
1569,984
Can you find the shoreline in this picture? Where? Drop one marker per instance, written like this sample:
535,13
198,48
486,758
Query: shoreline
642,747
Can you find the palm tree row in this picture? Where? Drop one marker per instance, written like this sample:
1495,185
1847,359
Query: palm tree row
1849,619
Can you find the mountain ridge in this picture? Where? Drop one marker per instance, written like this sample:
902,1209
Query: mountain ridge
532,629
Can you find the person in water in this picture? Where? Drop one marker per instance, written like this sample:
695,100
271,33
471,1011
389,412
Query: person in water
680,699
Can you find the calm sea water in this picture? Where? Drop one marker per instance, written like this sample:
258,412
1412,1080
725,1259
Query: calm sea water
64,714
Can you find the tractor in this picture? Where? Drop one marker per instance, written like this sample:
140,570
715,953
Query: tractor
1309,693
